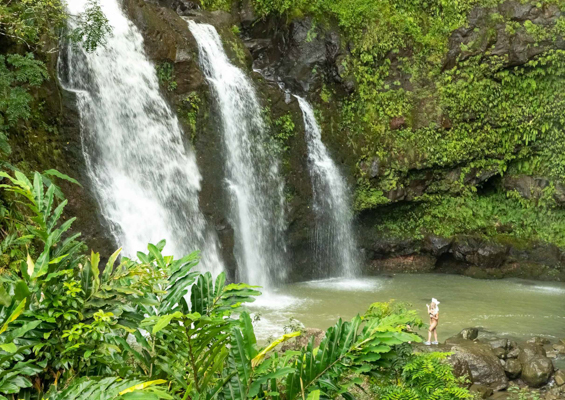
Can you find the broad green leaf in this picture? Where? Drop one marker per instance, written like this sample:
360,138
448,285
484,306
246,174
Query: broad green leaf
165,320
110,265
256,385
314,395
21,290
15,314
5,298
155,252
142,386
54,172
261,356
9,347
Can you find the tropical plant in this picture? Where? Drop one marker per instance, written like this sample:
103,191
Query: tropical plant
128,331
424,377
61,315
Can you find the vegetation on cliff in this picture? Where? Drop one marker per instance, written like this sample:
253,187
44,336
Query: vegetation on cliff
30,31
443,98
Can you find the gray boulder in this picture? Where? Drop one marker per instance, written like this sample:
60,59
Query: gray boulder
480,391
529,351
484,365
513,368
469,333
514,352
438,246
559,348
499,344
536,371
499,352
560,377
538,341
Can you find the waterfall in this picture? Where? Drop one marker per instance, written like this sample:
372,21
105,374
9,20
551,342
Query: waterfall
335,244
144,174
253,179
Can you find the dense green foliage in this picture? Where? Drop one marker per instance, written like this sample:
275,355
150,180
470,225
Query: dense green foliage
127,331
424,377
29,34
492,215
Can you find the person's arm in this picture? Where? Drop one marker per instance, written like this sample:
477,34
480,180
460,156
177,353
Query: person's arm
436,316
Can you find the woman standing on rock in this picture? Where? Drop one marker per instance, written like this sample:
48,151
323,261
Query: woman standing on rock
433,311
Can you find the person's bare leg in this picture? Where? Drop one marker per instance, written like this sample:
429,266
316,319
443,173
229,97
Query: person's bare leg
435,333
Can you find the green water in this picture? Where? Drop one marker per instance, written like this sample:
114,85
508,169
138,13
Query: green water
513,308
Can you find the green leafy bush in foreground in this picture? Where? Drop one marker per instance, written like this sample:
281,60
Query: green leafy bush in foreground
74,329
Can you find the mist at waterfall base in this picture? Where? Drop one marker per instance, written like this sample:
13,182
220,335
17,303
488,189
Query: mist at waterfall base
254,183
141,170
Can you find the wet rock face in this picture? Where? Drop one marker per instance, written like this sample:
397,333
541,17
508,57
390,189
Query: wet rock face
56,144
482,36
468,255
298,55
479,253
410,264
532,187
182,7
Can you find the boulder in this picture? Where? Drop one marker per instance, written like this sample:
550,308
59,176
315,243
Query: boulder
300,54
469,333
538,341
529,351
437,245
552,354
484,365
514,352
559,348
560,377
499,352
513,368
417,263
461,368
476,251
499,344
480,391
556,393
536,371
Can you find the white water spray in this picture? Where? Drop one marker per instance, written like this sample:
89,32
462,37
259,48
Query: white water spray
253,179
335,240
142,171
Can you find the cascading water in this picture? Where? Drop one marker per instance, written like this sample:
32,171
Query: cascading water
145,177
253,179
335,244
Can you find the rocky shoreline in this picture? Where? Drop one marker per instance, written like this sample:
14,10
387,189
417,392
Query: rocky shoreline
467,255
494,367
